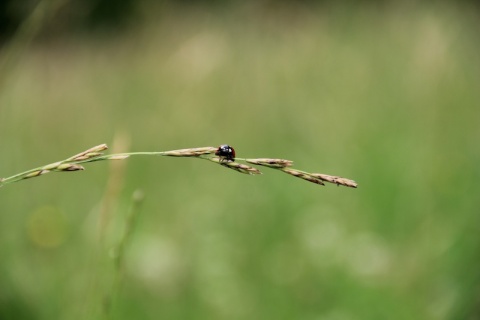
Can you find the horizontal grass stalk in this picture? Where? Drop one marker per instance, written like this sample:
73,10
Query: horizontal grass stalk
74,163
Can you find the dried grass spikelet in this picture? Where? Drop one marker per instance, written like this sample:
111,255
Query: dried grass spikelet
68,167
191,152
62,166
242,168
339,181
57,166
89,154
272,163
302,175
35,174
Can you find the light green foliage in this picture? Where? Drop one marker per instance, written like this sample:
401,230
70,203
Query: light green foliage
387,97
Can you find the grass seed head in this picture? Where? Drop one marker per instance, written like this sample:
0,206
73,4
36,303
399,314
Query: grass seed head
242,168
225,156
36,173
87,156
303,175
60,166
272,163
69,167
90,153
191,152
339,181
52,166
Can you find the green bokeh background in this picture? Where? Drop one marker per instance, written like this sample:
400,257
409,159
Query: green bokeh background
386,95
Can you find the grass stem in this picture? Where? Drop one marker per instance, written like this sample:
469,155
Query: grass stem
207,153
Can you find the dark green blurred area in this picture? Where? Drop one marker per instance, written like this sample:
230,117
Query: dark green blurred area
386,94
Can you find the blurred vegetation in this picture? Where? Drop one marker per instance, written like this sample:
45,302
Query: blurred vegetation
384,94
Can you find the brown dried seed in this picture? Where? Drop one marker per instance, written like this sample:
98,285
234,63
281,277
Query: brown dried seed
242,168
272,163
83,155
191,152
87,156
336,180
302,175
69,167
36,173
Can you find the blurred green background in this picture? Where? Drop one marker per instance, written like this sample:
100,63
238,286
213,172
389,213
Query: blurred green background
383,93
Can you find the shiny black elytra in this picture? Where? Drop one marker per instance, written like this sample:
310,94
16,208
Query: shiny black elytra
225,152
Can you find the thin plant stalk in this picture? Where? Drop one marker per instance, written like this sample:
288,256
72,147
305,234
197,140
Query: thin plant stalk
75,162
119,255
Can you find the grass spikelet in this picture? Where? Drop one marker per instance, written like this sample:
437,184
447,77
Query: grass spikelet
271,163
61,166
302,175
191,152
51,166
89,154
68,167
35,174
242,168
339,181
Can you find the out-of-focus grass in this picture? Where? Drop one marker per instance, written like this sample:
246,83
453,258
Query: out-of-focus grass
387,97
